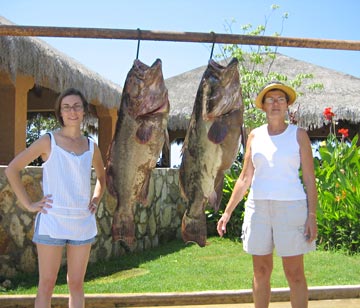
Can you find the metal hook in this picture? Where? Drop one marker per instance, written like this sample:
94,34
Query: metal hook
138,44
213,45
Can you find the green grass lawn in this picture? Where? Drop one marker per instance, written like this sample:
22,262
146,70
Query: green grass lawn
176,267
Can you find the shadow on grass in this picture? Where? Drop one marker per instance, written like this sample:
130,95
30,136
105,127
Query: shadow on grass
104,268
131,260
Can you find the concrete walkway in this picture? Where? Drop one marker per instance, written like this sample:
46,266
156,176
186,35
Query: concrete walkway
320,297
334,303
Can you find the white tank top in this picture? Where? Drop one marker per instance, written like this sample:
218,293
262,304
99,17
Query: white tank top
67,176
276,160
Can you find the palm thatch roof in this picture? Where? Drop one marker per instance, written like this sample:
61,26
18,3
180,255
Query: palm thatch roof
53,69
182,91
341,92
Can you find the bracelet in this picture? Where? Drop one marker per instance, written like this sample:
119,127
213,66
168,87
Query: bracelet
94,204
312,214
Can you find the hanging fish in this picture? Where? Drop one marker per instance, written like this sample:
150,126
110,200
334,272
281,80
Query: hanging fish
140,134
211,145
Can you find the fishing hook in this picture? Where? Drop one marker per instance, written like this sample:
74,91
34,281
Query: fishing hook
138,44
213,45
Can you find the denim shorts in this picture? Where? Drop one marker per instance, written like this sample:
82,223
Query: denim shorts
270,224
48,240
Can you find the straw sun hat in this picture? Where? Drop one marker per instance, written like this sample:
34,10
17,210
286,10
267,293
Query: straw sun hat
275,85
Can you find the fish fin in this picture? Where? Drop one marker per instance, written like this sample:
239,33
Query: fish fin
184,146
167,139
216,196
217,132
213,199
143,195
181,182
189,131
109,172
110,181
143,133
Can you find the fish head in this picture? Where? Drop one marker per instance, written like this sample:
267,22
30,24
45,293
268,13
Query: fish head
145,91
221,90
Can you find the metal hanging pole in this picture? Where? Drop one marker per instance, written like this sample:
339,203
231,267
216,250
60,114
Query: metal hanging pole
196,37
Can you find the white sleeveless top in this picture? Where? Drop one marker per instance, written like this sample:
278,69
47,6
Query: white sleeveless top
67,176
276,160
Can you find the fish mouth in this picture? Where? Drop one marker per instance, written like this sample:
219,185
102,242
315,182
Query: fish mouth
143,69
125,234
163,108
146,91
221,82
144,111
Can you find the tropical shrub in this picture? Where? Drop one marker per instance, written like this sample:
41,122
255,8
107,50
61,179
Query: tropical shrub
338,185
233,229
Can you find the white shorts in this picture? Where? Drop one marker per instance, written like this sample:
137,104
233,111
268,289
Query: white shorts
280,224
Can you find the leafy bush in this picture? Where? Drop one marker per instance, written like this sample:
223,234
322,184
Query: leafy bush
233,228
338,185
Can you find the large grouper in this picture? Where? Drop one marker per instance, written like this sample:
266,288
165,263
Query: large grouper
211,145
140,134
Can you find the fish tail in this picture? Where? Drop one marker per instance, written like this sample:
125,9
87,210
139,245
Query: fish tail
194,229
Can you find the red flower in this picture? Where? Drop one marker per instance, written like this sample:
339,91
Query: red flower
344,132
328,114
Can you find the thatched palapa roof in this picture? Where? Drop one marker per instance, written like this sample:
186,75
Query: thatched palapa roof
341,92
53,69
182,91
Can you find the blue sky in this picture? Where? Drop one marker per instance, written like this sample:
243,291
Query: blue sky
112,59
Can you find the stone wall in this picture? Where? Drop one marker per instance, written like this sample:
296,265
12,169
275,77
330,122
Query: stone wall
155,224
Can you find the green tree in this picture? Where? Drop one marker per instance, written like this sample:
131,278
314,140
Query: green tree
38,124
256,67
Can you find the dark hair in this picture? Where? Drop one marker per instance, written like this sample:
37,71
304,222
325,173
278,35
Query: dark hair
68,92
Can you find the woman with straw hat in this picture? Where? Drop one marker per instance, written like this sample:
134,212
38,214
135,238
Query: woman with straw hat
280,210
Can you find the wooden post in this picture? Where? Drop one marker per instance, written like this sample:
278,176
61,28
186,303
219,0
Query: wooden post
107,121
13,117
